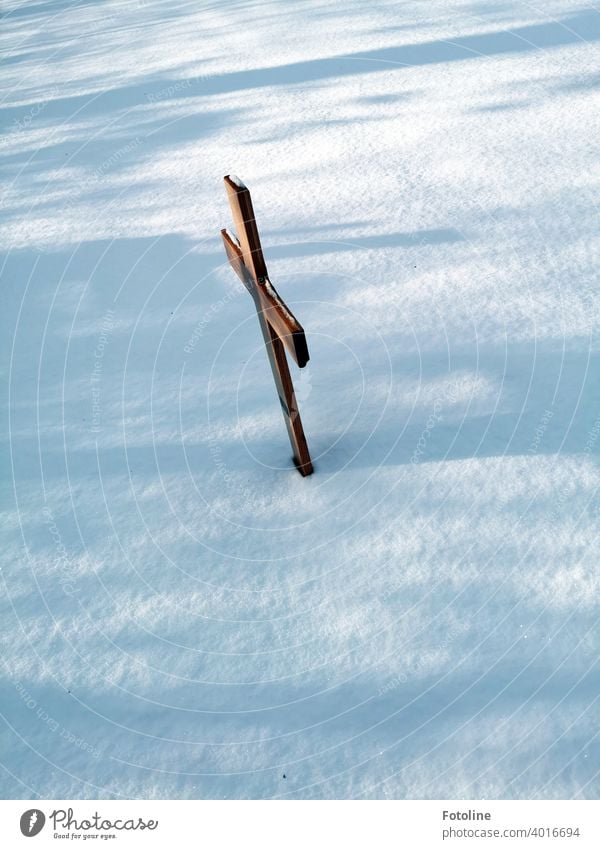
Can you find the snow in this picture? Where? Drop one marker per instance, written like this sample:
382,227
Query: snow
236,180
233,237
183,615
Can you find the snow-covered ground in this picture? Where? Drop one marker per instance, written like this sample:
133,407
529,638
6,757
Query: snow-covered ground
183,615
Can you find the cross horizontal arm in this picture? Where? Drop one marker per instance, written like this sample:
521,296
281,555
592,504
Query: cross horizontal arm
266,297
283,322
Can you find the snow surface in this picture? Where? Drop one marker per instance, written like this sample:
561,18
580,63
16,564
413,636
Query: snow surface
183,615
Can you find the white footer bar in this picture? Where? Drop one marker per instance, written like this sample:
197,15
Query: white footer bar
301,824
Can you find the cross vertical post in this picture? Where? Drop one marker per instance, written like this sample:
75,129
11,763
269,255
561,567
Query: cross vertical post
279,327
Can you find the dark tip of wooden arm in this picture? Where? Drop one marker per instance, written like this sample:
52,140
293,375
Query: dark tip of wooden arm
283,322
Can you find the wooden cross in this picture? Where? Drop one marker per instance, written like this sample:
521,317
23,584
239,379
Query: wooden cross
278,325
